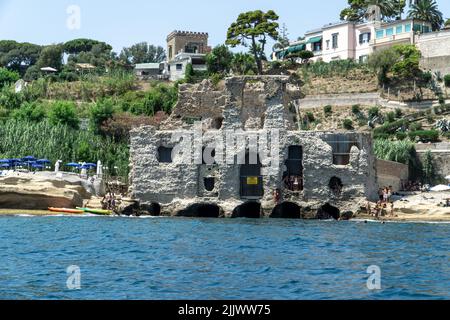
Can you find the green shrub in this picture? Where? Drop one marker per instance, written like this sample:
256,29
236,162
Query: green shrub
216,78
189,73
29,112
328,110
398,113
447,80
8,77
9,99
373,112
415,126
64,113
391,127
390,116
101,112
348,124
426,77
401,136
356,109
310,117
162,97
424,135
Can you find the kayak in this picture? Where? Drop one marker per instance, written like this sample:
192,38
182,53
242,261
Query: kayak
97,211
65,210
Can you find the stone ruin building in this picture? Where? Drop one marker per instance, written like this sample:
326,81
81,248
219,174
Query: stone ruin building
317,175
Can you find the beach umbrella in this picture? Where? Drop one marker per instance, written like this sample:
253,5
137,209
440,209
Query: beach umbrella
5,161
440,187
72,164
91,165
37,166
43,161
4,165
29,158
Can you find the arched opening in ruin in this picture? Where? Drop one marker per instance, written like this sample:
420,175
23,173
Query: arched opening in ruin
328,211
293,176
152,209
251,209
251,180
336,186
201,210
209,183
341,145
286,210
217,123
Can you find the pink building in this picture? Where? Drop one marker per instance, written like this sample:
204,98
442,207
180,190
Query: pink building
350,40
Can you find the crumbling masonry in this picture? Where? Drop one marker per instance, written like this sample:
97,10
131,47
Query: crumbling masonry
318,175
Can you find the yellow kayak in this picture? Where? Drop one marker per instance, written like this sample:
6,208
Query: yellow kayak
97,211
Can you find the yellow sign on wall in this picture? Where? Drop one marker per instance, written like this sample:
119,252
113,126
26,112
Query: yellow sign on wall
252,181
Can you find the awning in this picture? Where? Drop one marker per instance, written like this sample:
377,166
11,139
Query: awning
314,39
297,48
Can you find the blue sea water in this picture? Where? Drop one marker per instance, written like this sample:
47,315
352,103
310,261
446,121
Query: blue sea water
176,258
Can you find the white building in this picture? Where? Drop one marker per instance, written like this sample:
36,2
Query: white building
350,40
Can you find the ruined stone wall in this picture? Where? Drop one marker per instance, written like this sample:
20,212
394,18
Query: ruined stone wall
391,174
265,116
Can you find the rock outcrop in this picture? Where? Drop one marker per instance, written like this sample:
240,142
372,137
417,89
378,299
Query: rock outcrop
40,191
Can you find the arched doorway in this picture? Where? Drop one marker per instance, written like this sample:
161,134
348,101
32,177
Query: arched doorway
251,180
328,211
249,209
286,210
336,186
201,210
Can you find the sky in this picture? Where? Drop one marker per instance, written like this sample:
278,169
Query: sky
124,23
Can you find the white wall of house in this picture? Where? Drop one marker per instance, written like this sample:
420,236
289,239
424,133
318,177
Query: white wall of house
339,42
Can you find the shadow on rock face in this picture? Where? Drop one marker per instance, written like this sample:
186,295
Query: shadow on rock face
286,210
328,211
201,210
248,210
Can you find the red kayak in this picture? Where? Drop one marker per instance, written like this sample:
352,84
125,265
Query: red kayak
64,210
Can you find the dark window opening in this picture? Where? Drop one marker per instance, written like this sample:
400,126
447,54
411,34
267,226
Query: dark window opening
336,186
317,46
250,210
209,183
293,177
179,67
201,210
165,155
341,145
286,210
328,211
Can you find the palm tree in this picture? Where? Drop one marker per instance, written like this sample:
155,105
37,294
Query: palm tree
427,10
387,7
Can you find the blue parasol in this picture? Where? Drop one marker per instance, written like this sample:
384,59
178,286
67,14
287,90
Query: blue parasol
29,158
37,166
5,161
43,161
4,165
73,164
